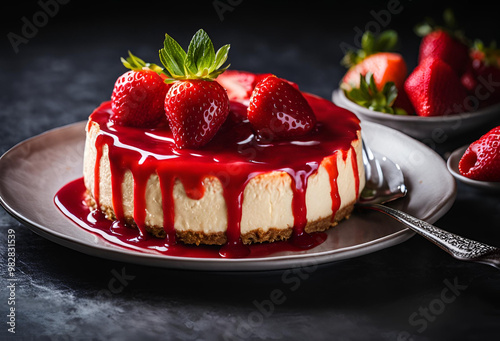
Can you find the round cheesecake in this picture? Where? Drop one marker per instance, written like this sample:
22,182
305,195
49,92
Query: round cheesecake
239,188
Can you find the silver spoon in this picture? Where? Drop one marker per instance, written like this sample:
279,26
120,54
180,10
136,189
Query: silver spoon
385,182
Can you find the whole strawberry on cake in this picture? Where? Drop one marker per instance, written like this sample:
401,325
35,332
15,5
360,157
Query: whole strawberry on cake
188,152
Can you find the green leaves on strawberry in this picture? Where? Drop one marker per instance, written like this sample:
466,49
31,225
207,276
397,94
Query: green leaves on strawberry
370,44
138,95
200,62
448,24
137,64
368,96
196,105
488,55
445,42
386,67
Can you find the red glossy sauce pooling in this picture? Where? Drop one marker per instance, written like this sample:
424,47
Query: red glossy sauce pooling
234,156
71,201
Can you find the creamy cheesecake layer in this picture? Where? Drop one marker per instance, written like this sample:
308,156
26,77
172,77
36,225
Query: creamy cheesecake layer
267,200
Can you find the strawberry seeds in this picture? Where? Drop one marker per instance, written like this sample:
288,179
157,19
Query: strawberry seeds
185,92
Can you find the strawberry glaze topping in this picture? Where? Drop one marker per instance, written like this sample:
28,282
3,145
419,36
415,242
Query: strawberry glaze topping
234,156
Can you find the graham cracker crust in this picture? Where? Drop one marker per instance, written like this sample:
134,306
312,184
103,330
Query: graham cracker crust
257,235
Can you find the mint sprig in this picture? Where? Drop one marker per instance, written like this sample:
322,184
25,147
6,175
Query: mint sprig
371,44
200,62
368,96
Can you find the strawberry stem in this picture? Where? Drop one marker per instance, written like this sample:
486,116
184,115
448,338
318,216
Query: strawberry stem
371,44
200,62
368,96
449,25
135,63
490,55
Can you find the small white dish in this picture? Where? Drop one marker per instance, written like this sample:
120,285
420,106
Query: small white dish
420,127
452,165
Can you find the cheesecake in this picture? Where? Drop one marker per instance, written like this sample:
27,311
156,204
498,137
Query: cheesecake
192,153
236,187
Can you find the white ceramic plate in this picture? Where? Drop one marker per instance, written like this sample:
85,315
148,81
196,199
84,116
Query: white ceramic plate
422,127
33,171
452,165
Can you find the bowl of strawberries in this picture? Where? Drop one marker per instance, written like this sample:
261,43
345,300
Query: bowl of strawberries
455,87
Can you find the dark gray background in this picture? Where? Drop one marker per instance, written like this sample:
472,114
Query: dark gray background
69,66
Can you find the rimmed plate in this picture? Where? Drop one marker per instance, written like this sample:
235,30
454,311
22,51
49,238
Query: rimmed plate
452,165
34,170
422,127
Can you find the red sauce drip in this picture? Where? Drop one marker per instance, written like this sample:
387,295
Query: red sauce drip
355,169
140,183
234,200
70,200
299,209
234,157
116,187
330,165
167,189
193,186
97,172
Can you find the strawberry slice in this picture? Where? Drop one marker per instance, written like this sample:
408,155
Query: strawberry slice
278,109
196,106
240,84
378,57
138,95
435,89
481,161
385,67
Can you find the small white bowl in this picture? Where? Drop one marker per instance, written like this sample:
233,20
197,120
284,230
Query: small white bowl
452,165
422,127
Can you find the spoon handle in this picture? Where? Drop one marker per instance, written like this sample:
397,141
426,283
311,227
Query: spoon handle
457,246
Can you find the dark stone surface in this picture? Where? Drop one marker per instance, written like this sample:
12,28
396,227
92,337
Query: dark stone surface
69,66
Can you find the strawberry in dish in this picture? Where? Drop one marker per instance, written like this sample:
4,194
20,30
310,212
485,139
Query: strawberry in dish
230,158
481,160
376,75
451,77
